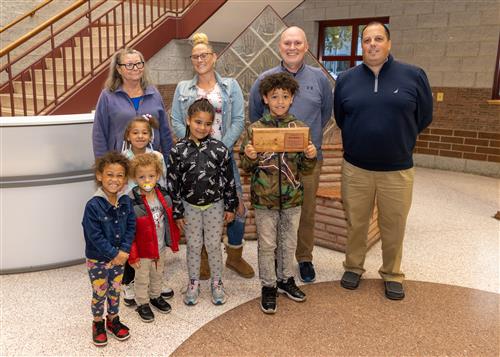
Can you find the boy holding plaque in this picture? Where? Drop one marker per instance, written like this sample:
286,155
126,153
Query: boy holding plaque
275,159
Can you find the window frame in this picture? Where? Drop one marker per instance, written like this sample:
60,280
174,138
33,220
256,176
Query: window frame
495,95
355,23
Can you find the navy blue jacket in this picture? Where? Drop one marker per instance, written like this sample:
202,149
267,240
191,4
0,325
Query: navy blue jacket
380,117
108,229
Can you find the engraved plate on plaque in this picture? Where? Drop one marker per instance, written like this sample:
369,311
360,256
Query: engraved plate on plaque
280,139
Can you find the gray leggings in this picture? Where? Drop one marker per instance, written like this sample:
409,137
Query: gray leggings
204,227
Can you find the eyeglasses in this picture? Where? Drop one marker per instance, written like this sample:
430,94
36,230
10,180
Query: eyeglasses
130,66
202,56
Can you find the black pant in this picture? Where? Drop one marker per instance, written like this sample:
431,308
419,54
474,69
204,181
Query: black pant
128,274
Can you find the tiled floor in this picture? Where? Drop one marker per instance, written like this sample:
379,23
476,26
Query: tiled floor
451,239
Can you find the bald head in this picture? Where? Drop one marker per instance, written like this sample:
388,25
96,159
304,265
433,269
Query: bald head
293,47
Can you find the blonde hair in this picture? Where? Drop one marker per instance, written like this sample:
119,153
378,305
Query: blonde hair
200,38
115,80
143,160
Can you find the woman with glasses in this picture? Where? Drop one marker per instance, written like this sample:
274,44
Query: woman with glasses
226,97
128,93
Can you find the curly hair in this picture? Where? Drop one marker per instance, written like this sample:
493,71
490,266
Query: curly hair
110,158
280,80
143,160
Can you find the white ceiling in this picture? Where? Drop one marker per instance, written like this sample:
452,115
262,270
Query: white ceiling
235,15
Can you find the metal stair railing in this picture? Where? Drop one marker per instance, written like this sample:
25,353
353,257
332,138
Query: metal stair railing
39,87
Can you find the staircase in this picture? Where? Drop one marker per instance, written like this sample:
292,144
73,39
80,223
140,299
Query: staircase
70,75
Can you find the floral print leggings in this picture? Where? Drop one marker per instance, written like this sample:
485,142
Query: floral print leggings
106,280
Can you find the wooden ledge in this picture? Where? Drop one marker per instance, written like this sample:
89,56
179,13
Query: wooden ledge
494,101
332,193
331,147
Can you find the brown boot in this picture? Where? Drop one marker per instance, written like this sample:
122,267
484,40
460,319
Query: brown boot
204,267
236,262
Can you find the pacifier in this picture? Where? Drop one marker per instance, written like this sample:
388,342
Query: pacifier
147,187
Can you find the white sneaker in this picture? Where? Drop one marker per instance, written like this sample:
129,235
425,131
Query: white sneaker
192,292
129,294
218,293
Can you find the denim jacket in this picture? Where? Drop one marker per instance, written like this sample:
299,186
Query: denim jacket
106,228
233,110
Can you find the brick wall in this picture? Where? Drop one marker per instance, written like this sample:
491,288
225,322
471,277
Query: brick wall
465,126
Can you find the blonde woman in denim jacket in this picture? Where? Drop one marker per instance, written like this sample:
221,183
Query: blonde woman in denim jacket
226,97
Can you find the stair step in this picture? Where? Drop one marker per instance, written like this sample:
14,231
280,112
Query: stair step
59,76
7,112
69,63
95,46
28,87
78,53
18,101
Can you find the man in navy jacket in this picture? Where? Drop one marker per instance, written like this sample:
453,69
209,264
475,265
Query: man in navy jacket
380,106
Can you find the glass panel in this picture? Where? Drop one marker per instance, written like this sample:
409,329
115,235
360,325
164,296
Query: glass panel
335,67
359,49
358,62
338,41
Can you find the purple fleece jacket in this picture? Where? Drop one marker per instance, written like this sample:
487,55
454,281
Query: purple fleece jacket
114,111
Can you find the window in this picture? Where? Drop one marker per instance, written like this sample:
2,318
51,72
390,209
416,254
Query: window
339,45
496,82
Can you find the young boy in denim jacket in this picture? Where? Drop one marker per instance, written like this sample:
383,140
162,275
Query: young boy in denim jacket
108,227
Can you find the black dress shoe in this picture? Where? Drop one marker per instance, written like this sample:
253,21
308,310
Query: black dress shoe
350,280
161,305
394,290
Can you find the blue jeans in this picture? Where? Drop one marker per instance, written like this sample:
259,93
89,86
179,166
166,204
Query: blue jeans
236,229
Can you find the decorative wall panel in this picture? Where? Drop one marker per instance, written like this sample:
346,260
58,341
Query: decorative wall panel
256,50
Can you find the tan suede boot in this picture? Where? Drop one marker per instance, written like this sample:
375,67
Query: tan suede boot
236,262
204,267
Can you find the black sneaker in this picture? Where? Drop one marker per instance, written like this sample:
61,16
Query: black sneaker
145,313
268,299
161,305
350,280
307,273
167,293
394,290
291,290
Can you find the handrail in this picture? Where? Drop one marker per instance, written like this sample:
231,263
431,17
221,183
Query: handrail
41,27
29,13
83,55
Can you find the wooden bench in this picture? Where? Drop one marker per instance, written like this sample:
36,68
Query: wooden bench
330,230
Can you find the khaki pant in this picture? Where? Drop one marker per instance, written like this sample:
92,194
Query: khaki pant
393,193
148,279
305,240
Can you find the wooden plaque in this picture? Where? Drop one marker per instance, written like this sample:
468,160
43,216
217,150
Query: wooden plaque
280,139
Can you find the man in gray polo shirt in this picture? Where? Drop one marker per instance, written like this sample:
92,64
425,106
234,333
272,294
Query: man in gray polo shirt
312,104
